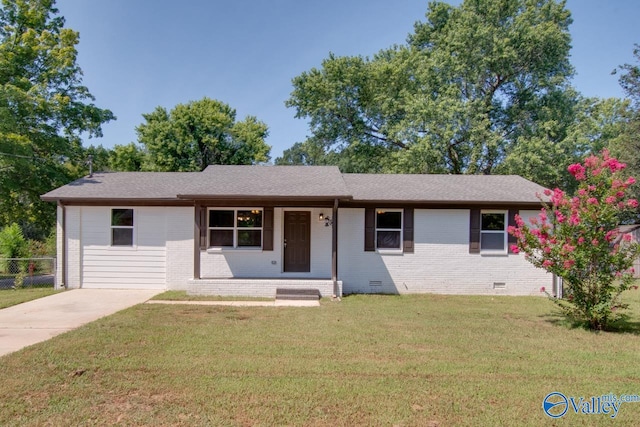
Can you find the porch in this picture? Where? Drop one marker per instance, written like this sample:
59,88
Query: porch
259,287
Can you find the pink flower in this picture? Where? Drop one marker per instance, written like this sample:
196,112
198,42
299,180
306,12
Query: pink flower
582,192
616,184
533,220
577,170
568,248
543,215
592,188
560,216
620,194
547,192
580,239
611,235
568,264
627,237
591,161
631,180
519,220
632,203
610,200
547,250
592,201
543,289
547,263
575,219
594,242
515,249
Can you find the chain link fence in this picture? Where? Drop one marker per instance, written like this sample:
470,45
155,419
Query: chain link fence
27,273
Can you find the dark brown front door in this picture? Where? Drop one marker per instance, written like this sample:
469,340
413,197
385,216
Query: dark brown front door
297,241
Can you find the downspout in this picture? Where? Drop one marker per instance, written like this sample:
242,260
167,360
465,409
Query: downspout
63,255
334,251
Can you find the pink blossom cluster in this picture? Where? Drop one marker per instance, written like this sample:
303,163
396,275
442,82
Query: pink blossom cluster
569,233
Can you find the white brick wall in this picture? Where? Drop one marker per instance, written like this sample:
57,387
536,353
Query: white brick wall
180,228
257,287
269,264
74,252
441,262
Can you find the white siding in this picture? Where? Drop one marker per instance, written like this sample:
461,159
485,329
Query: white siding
141,266
269,264
441,262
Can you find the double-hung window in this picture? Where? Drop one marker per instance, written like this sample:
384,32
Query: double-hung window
493,232
235,228
389,229
121,227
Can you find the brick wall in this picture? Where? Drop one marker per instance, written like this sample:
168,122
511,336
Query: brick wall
441,262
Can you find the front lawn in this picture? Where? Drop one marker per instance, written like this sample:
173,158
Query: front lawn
9,297
427,360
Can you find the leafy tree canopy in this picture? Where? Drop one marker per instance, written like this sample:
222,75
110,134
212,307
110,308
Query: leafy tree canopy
478,88
200,133
44,108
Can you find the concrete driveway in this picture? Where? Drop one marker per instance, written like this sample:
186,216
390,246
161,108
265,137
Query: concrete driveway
38,320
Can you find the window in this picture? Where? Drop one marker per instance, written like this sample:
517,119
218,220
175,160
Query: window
121,227
493,232
388,229
235,228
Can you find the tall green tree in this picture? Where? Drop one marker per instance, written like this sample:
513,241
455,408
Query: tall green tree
126,158
200,133
44,109
627,145
472,85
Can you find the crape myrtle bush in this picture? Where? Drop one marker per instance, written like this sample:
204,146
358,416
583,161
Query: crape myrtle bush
578,238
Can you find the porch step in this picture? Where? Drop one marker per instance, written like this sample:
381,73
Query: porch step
297,294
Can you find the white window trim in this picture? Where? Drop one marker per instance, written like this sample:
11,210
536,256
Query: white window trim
131,227
401,230
235,229
504,232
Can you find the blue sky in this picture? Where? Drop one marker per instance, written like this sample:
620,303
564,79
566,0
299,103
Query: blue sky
139,54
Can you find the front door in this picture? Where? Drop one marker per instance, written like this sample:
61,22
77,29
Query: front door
297,241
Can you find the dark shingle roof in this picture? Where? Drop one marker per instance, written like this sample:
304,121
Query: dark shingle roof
442,188
298,182
269,181
215,181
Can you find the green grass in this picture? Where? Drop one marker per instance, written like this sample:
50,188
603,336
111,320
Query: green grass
9,297
428,360
182,296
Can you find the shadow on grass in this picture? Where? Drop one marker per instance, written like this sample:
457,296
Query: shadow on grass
623,326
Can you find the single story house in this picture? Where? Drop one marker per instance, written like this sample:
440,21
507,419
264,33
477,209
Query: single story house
247,230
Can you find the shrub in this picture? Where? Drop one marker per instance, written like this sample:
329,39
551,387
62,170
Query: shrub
578,239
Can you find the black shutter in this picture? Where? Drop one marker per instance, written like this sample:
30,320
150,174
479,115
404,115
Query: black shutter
369,229
474,231
203,225
511,240
267,230
408,231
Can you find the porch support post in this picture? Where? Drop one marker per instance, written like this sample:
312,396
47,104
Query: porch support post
196,241
63,249
334,249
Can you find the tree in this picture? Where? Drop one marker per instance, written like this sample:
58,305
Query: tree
126,158
200,133
12,245
473,85
578,239
627,145
44,109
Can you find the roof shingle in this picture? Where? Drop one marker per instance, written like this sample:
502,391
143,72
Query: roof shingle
298,182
